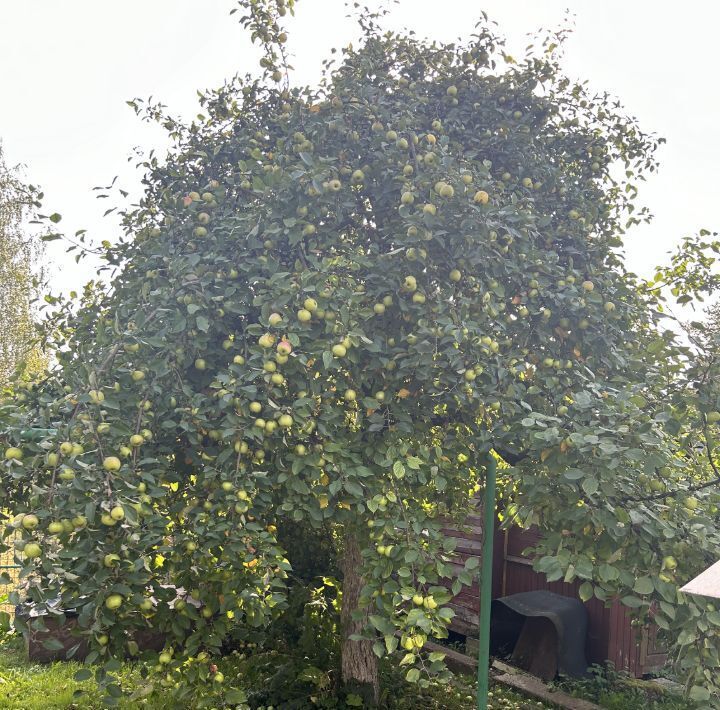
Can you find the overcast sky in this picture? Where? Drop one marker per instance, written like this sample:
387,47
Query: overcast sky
69,67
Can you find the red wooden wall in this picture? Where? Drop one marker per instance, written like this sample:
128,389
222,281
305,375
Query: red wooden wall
611,635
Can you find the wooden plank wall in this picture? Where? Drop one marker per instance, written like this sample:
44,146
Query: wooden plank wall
611,635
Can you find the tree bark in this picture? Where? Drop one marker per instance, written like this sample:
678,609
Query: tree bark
359,663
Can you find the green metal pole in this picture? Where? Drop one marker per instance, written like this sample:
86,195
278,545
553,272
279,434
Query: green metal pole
486,586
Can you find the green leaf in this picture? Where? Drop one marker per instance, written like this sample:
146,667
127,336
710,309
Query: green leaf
412,676
235,696
590,485
686,637
586,591
632,602
643,585
55,217
699,694
83,674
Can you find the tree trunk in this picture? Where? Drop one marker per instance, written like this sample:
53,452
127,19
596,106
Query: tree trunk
359,663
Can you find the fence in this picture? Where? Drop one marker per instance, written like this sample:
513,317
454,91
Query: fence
8,566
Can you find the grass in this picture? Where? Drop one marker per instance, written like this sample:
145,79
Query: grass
272,678
32,686
613,690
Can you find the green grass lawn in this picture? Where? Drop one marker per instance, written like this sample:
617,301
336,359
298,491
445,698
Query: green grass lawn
32,686
35,686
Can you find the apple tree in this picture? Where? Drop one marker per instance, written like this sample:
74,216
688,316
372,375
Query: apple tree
19,274
329,307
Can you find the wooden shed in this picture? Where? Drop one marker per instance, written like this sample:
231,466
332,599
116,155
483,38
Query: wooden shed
611,635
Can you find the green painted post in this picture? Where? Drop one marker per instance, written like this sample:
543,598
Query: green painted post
486,586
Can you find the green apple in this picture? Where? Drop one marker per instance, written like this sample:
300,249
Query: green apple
713,417
310,304
418,599
304,315
200,364
409,284
285,421
300,450
32,550
481,197
274,319
103,428
588,286
284,348
66,448
114,601
350,395
429,208
137,375
136,440
112,463
117,513
13,454
255,407
66,474
30,522
111,560
56,528
79,521
339,350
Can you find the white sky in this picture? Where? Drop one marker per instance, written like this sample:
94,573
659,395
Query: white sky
69,67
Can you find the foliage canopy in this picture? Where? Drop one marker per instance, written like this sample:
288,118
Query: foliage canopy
330,305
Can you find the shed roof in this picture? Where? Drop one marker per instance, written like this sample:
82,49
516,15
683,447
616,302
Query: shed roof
706,584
